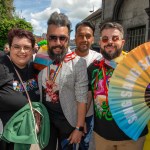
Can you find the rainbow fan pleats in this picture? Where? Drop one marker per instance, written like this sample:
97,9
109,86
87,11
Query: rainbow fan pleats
129,91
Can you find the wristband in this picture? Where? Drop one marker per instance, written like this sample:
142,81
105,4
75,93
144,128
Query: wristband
79,128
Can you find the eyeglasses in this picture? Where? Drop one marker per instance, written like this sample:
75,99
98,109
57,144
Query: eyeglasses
61,38
114,38
18,48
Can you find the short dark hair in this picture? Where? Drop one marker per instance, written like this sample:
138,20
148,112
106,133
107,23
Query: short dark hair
108,25
20,33
59,19
85,23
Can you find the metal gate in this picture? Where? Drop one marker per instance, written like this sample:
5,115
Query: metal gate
134,37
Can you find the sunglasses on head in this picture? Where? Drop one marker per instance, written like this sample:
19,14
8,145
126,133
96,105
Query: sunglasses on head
62,38
114,38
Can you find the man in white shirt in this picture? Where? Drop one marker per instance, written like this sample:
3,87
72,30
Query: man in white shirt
84,38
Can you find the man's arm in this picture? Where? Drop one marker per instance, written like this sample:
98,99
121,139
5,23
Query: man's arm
81,92
81,114
76,135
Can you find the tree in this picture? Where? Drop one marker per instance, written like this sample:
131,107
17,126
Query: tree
9,21
6,9
6,25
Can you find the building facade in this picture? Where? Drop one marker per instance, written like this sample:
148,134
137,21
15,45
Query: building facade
95,19
132,14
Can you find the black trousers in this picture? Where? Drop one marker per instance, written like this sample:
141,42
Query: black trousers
6,146
60,130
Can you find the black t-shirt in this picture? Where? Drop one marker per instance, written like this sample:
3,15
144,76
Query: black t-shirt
104,124
54,109
12,94
52,101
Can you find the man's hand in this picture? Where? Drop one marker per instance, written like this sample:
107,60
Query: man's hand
75,136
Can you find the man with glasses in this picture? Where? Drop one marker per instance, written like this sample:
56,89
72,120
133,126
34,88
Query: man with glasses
64,86
108,135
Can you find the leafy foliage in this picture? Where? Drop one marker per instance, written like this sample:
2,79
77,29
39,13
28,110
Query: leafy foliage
9,21
6,25
6,9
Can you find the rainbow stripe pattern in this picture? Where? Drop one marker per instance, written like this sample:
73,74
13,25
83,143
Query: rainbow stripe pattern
129,91
42,58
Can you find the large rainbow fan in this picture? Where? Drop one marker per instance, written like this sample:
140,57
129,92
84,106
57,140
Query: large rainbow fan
129,91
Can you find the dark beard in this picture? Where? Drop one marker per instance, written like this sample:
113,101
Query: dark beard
57,57
111,56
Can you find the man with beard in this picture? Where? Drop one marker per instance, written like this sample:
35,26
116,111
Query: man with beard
108,135
64,86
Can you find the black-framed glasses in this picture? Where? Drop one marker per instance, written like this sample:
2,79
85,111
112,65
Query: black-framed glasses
54,38
114,38
18,48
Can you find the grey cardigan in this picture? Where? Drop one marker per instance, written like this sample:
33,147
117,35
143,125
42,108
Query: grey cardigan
73,87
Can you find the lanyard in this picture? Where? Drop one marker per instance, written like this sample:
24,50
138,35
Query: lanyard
55,73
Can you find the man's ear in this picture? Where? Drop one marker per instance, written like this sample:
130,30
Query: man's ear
123,42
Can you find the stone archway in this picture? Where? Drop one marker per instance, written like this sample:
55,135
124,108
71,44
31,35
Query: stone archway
117,10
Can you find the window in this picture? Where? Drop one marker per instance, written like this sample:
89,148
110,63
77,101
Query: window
135,36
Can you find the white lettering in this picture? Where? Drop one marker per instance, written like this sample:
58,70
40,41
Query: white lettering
148,60
128,111
126,93
133,74
126,103
128,86
142,65
132,119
